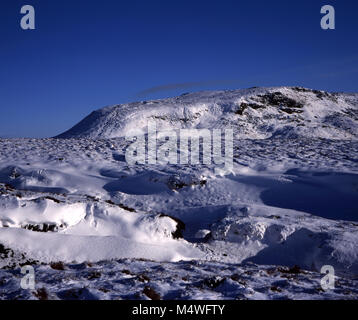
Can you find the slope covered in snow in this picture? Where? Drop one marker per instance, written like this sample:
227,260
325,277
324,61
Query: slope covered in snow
290,199
254,113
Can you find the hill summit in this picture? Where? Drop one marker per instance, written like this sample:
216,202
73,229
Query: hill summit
255,113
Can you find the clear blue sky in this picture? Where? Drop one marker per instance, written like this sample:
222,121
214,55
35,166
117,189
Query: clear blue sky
84,55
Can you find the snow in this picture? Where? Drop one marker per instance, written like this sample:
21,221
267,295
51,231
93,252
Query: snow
291,199
268,112
132,279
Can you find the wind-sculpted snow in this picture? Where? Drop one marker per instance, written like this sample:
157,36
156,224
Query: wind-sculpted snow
288,204
255,113
85,196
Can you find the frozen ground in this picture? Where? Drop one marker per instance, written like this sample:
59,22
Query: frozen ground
291,199
140,279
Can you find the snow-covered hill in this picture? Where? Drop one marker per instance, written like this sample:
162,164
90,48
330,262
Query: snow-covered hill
288,207
254,113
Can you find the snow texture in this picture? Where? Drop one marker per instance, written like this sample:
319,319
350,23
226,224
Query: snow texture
183,230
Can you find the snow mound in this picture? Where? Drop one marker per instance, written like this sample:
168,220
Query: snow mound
305,243
47,229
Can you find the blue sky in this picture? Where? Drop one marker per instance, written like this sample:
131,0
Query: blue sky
84,55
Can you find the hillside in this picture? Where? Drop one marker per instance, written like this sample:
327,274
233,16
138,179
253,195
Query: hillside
88,221
255,113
